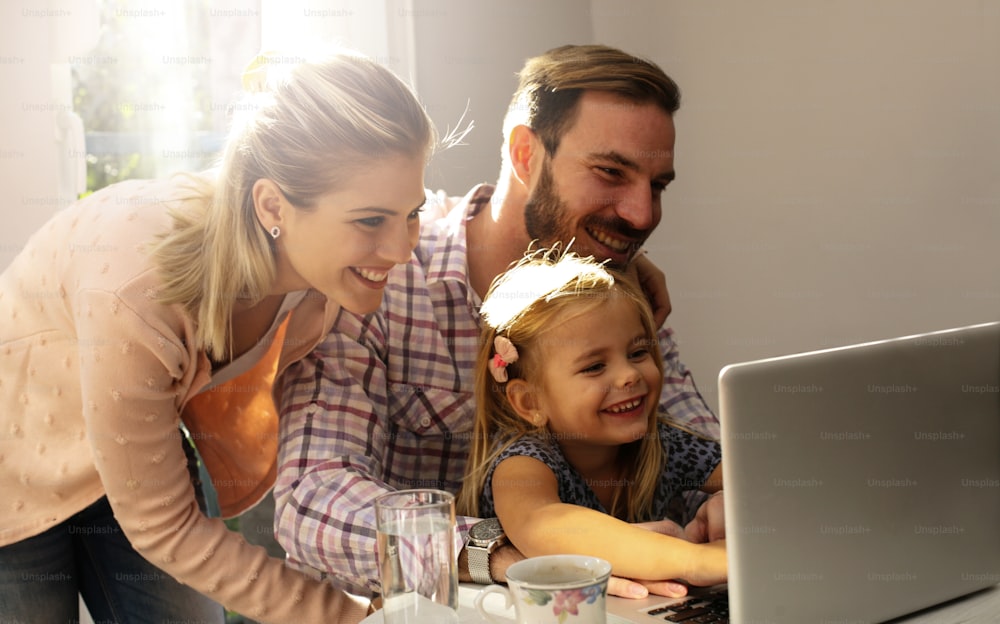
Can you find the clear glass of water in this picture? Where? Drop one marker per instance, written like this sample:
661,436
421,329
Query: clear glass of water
416,554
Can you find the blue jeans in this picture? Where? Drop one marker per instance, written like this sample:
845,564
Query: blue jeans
89,555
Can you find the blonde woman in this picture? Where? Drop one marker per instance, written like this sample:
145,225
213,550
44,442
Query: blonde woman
569,450
152,304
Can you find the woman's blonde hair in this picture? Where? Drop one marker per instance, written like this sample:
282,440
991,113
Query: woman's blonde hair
306,123
536,294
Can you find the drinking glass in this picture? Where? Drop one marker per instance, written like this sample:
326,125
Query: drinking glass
416,554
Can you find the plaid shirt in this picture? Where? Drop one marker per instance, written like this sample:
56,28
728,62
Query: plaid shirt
386,403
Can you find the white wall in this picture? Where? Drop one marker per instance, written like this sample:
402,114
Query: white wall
837,169
36,43
26,167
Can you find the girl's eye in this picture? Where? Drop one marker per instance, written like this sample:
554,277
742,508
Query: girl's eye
415,214
639,354
594,368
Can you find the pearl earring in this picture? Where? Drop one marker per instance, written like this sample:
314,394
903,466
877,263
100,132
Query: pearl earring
275,232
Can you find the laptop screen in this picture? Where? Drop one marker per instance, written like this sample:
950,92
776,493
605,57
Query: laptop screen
863,483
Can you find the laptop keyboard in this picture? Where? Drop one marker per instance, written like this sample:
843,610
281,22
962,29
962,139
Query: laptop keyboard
710,609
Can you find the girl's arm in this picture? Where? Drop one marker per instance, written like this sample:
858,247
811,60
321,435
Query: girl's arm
525,494
713,483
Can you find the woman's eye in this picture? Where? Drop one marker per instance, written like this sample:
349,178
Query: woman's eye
415,214
371,221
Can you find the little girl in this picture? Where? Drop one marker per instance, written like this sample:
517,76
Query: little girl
569,448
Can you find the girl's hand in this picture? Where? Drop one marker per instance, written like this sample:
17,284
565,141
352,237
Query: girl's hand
629,588
654,283
709,522
709,565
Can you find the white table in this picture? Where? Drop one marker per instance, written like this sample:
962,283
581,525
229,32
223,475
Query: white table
982,607
467,613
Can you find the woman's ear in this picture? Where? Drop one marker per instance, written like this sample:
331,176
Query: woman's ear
524,399
268,203
526,154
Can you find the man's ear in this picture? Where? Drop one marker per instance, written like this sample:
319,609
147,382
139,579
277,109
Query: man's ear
526,154
268,203
522,397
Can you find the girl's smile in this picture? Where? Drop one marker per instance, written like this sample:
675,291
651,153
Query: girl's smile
627,409
598,378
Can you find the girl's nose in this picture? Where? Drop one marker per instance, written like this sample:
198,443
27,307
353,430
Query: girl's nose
630,376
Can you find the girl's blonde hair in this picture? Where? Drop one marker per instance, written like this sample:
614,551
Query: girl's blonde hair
536,294
306,123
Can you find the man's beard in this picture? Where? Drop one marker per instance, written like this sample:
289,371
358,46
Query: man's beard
545,213
546,218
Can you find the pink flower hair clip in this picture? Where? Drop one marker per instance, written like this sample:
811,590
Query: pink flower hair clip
506,353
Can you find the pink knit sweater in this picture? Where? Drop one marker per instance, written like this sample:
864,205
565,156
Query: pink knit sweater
94,375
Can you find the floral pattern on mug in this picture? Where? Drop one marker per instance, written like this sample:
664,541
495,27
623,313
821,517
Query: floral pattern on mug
565,602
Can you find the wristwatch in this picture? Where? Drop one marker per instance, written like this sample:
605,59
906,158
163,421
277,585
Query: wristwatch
484,537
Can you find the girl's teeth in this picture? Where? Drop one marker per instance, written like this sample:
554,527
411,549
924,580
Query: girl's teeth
626,407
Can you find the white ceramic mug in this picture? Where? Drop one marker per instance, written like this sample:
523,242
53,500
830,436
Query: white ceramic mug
554,589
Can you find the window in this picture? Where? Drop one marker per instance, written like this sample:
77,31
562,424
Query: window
154,92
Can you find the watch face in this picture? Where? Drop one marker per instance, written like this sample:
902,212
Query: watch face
486,531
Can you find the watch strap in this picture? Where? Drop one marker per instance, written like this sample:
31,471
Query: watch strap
479,563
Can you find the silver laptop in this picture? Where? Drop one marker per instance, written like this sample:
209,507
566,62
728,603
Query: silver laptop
862,483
